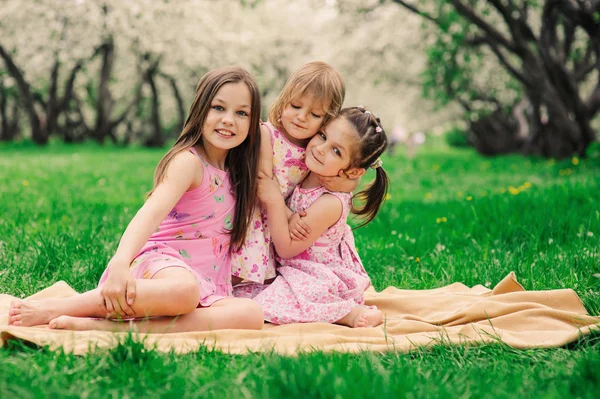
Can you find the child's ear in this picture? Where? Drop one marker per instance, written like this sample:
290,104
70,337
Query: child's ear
355,173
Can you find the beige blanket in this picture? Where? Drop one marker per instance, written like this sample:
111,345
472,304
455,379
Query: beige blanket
453,314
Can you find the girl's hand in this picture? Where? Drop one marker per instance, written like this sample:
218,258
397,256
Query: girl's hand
268,189
342,183
299,229
118,292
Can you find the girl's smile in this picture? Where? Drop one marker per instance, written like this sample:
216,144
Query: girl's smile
329,151
228,120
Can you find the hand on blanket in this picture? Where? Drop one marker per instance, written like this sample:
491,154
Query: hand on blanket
299,230
118,292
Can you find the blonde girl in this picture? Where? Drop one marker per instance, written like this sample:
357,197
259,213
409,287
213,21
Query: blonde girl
312,96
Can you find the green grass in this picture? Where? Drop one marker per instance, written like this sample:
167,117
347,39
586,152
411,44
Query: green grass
452,216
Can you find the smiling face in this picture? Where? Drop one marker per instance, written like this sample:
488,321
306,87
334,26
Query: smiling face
302,118
330,150
228,119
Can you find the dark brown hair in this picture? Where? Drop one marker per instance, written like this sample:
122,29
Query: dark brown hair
241,162
371,143
317,78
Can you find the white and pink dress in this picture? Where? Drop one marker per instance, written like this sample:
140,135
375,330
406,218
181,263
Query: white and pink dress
323,283
255,262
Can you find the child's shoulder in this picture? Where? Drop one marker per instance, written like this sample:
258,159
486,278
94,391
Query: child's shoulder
187,163
187,158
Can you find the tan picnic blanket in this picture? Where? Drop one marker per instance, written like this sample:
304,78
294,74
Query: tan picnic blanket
454,314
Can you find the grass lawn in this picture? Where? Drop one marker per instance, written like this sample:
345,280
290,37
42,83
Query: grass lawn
451,216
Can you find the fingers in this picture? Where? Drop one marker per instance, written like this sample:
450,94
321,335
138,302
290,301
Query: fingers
301,212
300,231
108,306
303,229
295,236
130,292
116,303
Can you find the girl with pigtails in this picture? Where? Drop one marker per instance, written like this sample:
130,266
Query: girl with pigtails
321,278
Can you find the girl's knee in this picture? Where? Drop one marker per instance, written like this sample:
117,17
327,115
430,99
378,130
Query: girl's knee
187,296
251,314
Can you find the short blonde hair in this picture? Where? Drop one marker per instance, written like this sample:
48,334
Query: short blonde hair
318,79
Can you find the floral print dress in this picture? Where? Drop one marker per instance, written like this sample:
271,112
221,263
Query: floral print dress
255,262
323,283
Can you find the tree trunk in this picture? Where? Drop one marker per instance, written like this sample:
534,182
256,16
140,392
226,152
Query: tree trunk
104,102
38,134
155,139
178,101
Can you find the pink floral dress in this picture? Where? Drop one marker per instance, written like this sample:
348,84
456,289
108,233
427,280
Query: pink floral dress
194,237
255,261
323,283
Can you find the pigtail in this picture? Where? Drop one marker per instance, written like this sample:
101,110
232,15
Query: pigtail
372,142
372,197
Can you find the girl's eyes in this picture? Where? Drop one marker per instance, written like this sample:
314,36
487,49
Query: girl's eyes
295,106
316,116
337,152
322,135
221,108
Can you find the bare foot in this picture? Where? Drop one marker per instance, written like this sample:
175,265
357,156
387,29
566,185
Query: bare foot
30,313
368,318
83,324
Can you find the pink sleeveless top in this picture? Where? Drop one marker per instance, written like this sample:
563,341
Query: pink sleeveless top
195,232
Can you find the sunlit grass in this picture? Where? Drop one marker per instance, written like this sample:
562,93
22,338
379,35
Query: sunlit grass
451,216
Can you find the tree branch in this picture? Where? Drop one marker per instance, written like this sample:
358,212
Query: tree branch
479,40
493,33
414,9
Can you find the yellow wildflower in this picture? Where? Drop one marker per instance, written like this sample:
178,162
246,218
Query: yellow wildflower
513,190
26,183
443,219
388,196
417,259
428,195
575,161
469,198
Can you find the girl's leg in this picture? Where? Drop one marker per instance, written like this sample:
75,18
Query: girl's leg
361,316
170,292
234,313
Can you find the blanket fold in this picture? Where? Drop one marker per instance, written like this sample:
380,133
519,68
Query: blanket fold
453,314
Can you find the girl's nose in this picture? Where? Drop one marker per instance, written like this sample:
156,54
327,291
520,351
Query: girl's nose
302,115
228,118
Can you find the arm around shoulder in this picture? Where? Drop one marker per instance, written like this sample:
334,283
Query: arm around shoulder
266,152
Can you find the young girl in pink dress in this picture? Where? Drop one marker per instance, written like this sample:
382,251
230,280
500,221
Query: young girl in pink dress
322,279
312,96
174,255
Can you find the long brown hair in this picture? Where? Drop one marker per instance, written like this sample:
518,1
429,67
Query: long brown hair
317,78
241,161
372,142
